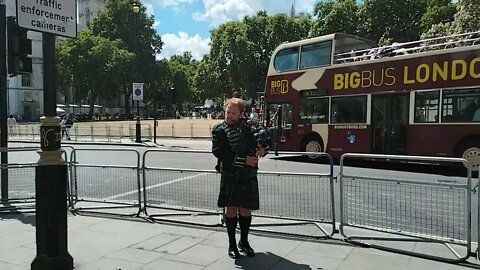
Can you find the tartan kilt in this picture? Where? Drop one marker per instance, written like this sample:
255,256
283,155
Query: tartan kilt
239,189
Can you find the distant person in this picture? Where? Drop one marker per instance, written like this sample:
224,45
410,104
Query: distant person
11,123
69,121
254,116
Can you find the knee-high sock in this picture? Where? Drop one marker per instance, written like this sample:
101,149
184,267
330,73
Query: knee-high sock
231,223
244,227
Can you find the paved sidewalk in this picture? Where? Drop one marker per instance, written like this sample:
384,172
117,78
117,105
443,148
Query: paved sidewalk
108,243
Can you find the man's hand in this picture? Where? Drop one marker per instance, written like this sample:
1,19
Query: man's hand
260,152
251,161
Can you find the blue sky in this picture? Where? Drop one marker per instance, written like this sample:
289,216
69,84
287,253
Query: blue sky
185,25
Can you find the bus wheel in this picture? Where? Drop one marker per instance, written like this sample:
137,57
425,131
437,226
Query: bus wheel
312,145
472,154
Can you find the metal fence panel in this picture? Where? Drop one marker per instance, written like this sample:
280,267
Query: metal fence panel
112,189
295,196
417,210
20,178
181,189
21,181
283,196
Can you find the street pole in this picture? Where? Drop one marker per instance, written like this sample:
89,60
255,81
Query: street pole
155,117
138,125
51,177
3,101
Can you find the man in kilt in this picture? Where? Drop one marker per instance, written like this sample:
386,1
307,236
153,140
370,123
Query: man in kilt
237,150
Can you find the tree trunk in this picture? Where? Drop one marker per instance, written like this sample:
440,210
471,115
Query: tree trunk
127,104
90,110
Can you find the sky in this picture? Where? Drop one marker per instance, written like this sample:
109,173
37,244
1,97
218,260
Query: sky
185,25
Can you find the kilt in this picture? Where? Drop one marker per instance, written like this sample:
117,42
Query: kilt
239,189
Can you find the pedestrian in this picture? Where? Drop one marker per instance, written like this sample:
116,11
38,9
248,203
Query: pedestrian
237,151
11,123
68,125
62,126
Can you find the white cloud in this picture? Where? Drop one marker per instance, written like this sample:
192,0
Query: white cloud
221,11
170,3
149,9
155,24
177,44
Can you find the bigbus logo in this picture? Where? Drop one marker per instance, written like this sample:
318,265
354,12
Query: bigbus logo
433,71
279,87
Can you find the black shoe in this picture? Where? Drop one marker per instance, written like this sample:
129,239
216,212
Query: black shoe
246,249
233,252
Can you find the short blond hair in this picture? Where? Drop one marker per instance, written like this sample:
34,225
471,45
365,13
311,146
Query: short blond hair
235,102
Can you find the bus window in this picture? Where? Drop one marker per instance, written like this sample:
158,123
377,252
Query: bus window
314,111
351,109
426,107
316,55
286,60
460,105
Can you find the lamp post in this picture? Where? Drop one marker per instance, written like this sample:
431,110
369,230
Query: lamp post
138,125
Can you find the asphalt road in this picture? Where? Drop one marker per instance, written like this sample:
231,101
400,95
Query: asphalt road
426,203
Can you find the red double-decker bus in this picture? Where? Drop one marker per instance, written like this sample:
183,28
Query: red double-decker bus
340,93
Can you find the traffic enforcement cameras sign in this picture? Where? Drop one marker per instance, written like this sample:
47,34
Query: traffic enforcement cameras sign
137,91
58,17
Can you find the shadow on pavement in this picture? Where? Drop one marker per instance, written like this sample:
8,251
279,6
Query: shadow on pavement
9,211
268,261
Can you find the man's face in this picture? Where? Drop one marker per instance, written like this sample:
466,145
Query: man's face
232,114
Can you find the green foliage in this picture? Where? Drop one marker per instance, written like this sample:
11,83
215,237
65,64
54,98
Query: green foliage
465,20
119,22
240,52
391,20
93,67
341,16
121,47
183,68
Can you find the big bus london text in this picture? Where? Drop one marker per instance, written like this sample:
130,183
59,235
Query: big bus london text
339,93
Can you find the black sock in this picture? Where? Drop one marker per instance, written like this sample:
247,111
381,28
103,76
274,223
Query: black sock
244,227
231,223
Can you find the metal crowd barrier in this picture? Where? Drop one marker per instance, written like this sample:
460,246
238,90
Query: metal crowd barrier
180,192
392,209
21,179
286,199
99,187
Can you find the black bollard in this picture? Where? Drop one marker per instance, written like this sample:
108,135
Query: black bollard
138,132
51,178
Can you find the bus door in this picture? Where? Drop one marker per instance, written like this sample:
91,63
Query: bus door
282,131
389,121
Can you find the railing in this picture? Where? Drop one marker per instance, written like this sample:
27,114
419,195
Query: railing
415,210
413,47
115,133
377,209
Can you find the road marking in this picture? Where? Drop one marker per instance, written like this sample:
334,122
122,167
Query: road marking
155,186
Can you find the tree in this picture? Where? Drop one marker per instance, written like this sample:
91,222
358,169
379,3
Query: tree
341,16
438,11
93,66
465,20
240,51
388,21
137,35
183,68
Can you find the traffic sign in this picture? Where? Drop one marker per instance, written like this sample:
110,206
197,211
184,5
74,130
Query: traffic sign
58,17
137,91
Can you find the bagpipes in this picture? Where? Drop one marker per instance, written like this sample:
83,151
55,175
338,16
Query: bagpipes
264,134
